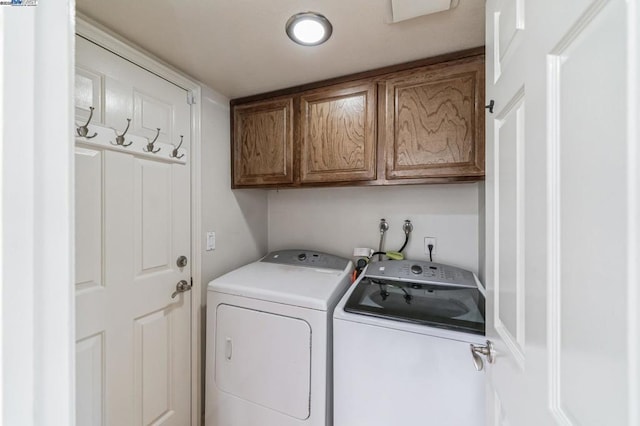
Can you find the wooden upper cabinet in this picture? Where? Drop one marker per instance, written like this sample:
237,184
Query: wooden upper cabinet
338,134
434,121
420,122
262,144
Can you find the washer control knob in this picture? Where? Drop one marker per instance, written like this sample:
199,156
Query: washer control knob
416,269
302,256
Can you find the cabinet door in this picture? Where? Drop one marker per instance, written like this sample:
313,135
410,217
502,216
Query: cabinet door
263,143
434,122
338,134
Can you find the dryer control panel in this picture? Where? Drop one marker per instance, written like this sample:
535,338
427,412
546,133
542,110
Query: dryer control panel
421,272
308,258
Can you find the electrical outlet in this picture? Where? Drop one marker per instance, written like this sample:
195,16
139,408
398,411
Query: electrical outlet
427,241
362,252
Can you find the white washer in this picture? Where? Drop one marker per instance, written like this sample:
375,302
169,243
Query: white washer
269,340
402,356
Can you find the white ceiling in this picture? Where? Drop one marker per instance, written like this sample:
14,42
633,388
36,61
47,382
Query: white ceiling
239,47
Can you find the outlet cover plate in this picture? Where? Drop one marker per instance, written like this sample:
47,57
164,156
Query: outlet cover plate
427,241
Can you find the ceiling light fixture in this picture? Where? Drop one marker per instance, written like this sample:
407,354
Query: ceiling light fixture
309,28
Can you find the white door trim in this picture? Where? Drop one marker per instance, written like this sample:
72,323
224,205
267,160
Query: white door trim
100,35
37,213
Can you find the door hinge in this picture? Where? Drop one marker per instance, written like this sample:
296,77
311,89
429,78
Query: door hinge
191,100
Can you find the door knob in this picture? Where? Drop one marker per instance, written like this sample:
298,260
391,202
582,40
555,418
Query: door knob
484,350
181,287
181,261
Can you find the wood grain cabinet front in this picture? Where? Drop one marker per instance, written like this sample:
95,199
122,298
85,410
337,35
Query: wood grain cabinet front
421,122
263,143
433,122
338,134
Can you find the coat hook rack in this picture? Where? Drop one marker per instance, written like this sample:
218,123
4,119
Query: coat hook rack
150,147
83,131
120,138
174,153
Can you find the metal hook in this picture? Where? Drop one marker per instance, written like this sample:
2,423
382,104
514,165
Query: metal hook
149,147
120,138
174,153
83,131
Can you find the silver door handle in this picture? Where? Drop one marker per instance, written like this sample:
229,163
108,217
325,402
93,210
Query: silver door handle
181,287
484,350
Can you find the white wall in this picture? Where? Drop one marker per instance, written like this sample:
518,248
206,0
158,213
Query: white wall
239,218
250,222
338,219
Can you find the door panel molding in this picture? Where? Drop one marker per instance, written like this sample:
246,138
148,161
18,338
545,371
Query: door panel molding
574,262
509,25
152,186
152,366
151,114
89,249
90,356
511,326
89,86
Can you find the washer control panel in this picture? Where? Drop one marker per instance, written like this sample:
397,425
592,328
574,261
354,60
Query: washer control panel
308,258
421,272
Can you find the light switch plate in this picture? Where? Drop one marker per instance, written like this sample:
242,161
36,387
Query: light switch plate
211,241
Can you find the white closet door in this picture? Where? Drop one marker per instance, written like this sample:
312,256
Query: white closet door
562,212
132,224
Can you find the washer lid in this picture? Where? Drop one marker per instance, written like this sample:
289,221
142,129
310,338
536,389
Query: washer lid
450,307
304,286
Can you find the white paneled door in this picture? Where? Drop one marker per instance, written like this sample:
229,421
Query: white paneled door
132,225
562,212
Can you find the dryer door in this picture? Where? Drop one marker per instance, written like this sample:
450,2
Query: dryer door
264,358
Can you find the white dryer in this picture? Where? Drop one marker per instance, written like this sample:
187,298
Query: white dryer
269,340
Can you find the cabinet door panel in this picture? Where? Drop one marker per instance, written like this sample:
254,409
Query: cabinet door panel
434,121
263,143
338,136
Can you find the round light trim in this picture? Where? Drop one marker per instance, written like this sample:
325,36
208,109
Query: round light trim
309,28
